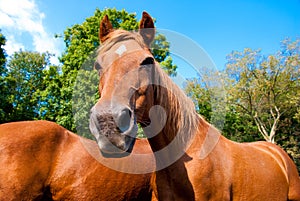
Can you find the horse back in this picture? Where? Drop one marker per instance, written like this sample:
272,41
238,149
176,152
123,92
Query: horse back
264,171
27,151
287,165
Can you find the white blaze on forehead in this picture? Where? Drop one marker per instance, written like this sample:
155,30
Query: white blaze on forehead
121,50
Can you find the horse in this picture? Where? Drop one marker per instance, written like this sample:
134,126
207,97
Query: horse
41,160
193,160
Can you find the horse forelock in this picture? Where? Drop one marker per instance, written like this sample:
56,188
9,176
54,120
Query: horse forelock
119,36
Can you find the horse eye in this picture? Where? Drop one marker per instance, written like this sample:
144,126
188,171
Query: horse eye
97,66
148,61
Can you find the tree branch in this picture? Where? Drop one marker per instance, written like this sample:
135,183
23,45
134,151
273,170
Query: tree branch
275,124
261,128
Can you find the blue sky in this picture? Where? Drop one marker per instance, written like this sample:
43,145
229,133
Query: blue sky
218,26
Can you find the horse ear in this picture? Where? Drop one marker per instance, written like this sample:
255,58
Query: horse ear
147,29
105,28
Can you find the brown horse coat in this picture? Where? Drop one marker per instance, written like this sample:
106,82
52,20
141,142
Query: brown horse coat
231,171
40,160
193,160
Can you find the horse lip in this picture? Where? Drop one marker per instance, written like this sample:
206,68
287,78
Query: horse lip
108,154
112,151
118,154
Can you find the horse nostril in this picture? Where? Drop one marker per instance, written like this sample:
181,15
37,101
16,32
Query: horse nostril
148,61
123,120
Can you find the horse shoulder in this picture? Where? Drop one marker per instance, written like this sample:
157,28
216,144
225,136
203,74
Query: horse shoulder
80,176
28,149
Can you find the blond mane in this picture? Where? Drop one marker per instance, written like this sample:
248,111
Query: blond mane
183,119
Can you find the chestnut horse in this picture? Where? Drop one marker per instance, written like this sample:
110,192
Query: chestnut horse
41,160
193,160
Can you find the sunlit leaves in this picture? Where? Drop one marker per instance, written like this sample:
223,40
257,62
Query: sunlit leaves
23,80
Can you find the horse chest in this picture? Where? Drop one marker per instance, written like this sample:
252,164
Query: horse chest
208,181
190,180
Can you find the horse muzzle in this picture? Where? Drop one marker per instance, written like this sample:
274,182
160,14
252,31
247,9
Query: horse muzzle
114,128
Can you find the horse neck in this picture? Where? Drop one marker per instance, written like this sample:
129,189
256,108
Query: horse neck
182,121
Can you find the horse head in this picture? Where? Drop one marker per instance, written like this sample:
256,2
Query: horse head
125,66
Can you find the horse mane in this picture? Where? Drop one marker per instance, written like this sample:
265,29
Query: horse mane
183,118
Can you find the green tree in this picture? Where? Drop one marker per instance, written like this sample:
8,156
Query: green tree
49,94
234,125
200,95
2,54
24,77
3,88
161,51
265,88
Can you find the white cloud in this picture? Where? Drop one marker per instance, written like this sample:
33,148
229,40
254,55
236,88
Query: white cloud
23,16
5,20
12,45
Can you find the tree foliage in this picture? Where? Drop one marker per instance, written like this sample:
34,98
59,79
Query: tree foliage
49,94
2,54
265,88
23,78
215,109
3,87
161,51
